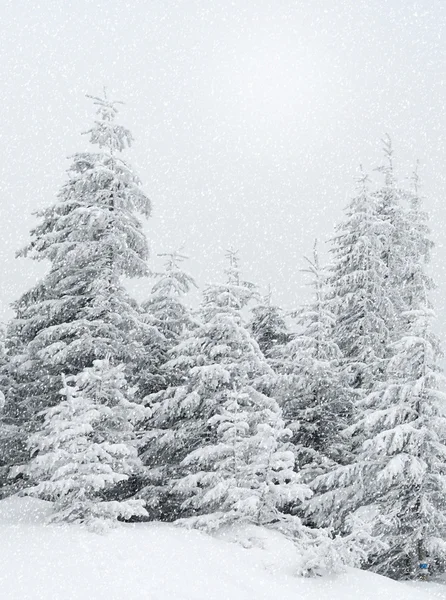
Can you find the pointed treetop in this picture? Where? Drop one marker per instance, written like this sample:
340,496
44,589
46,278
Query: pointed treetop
173,281
107,108
415,178
105,132
362,179
313,264
387,166
233,271
268,296
173,259
266,300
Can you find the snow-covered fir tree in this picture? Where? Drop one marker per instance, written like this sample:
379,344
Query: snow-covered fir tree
406,436
86,448
312,388
219,364
365,314
398,474
268,325
80,310
247,474
406,248
167,313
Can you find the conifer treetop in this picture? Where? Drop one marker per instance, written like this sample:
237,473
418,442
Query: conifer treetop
105,132
173,282
387,168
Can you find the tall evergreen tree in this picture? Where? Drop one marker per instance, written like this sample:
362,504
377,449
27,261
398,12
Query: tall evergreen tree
80,310
406,247
364,312
399,430
398,247
86,447
414,280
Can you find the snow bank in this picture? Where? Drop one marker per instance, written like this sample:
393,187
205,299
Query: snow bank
19,511
162,562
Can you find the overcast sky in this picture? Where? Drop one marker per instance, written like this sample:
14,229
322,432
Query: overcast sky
250,119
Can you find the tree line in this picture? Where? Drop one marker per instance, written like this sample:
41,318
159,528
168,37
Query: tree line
327,424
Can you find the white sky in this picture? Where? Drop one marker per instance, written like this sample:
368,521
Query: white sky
250,119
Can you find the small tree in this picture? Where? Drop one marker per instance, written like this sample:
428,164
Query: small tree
217,357
247,474
86,447
166,312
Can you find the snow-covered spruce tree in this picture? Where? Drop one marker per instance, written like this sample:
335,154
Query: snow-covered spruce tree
406,249
86,448
240,467
80,310
363,307
405,423
398,474
268,325
166,312
364,312
216,361
312,389
247,473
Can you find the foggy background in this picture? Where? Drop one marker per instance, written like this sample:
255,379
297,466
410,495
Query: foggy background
250,120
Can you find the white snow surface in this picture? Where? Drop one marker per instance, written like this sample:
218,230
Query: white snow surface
157,561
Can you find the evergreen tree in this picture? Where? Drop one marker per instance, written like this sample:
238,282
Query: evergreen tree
80,310
247,474
217,358
313,391
86,447
399,430
406,248
398,245
364,312
166,312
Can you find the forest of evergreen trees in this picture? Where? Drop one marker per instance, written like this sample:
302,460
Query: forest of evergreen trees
327,424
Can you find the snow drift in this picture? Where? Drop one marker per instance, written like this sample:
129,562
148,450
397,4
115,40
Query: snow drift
163,562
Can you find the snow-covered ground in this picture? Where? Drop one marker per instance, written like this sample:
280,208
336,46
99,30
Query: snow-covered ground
163,562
